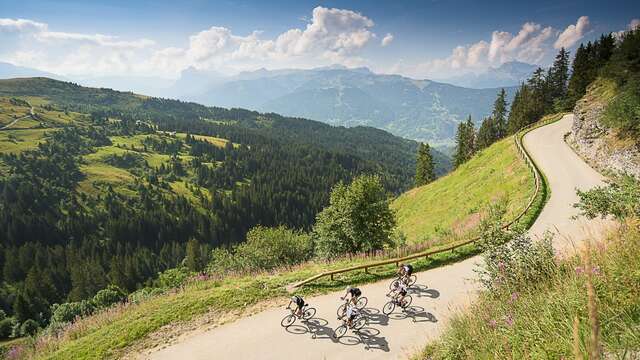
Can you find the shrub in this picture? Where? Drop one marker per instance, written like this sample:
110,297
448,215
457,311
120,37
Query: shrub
6,327
620,198
512,259
29,328
109,296
67,312
3,315
172,278
265,248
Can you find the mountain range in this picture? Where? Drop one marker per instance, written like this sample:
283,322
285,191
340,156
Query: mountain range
508,74
422,110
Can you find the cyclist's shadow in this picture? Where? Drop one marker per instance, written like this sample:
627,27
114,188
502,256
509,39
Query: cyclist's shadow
369,337
419,314
423,291
319,330
376,317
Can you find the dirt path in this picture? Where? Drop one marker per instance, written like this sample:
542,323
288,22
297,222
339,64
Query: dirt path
441,292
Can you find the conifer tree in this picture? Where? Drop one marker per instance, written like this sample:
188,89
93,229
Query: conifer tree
424,167
487,134
499,115
465,142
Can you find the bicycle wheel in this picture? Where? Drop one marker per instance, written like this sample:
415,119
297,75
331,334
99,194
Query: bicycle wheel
362,302
340,331
360,322
412,280
388,307
342,309
288,320
406,301
394,284
308,313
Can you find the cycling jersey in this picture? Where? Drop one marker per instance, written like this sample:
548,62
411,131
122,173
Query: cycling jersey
408,269
298,301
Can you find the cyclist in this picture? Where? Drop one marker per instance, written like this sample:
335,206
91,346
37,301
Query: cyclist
405,271
400,292
354,294
351,311
299,301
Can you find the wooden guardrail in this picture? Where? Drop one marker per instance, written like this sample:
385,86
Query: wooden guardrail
538,184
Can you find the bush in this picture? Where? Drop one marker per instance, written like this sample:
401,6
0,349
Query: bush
620,198
265,248
512,259
109,296
29,328
67,312
3,315
6,327
172,278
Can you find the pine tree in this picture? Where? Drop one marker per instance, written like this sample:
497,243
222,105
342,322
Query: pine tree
559,75
465,142
487,134
499,115
424,167
579,76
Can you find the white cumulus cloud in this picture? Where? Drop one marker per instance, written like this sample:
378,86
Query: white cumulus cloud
573,33
386,40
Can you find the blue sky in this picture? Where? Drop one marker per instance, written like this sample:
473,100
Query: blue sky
422,38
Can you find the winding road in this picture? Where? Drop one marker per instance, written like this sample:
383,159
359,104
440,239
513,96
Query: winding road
441,292
31,114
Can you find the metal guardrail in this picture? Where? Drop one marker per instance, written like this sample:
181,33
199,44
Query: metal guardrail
538,183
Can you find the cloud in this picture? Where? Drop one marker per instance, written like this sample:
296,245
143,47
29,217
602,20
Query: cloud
329,36
386,40
573,33
533,43
634,24
21,25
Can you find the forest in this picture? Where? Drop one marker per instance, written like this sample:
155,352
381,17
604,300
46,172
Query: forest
63,238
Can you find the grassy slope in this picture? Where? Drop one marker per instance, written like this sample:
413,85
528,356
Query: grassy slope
543,313
454,201
105,335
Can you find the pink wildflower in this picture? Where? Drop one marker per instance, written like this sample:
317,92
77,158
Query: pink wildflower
514,297
508,320
579,270
493,323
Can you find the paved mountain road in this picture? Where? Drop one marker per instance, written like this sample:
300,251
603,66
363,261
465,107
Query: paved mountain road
31,114
449,289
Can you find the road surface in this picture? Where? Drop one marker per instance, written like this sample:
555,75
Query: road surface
448,289
31,114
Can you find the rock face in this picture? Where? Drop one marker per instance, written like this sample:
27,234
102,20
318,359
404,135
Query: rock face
598,145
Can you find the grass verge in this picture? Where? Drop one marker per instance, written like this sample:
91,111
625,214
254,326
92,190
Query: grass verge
537,320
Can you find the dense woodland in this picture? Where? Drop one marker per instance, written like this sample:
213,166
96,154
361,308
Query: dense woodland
59,244
612,56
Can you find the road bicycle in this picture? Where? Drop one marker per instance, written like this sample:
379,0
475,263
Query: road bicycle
307,313
359,321
391,305
360,304
411,280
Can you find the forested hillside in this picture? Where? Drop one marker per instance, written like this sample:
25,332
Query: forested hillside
102,187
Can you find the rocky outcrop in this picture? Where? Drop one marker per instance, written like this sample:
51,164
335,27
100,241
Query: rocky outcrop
598,145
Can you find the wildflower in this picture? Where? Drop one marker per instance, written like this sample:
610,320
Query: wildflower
501,266
596,270
514,297
493,323
508,320
579,270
